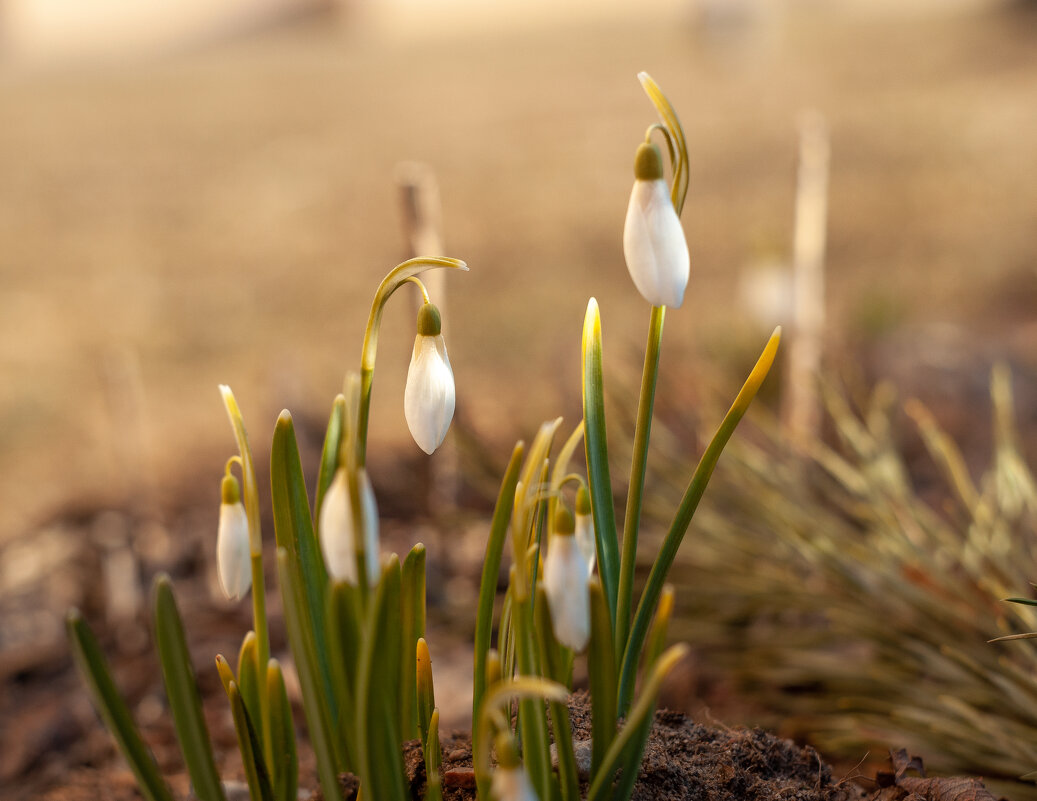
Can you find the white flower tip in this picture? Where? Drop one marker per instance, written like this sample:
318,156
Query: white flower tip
233,556
336,530
429,398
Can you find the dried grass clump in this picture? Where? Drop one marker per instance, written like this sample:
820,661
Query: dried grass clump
854,609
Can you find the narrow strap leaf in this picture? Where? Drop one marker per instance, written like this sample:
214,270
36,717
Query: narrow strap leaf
601,665
488,585
333,437
380,755
256,774
343,637
318,716
532,715
433,766
682,519
249,684
628,745
596,445
112,708
182,691
561,725
412,603
284,761
426,691
293,528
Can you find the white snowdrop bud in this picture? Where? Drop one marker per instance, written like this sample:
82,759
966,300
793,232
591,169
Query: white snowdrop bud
585,530
338,540
428,401
233,557
653,240
565,582
510,781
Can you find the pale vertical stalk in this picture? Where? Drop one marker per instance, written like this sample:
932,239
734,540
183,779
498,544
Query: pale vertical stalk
638,466
422,231
800,404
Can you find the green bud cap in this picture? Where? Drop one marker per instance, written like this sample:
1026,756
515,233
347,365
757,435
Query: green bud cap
648,163
229,489
565,524
507,753
429,322
583,501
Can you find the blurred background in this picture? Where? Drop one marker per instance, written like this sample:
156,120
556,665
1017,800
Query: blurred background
197,193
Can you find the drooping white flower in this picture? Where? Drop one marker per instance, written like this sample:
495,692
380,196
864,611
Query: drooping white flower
512,784
428,401
565,582
233,556
653,241
338,541
585,530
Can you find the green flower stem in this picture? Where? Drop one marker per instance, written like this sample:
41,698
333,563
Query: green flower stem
393,281
113,709
596,443
679,527
250,495
628,745
638,466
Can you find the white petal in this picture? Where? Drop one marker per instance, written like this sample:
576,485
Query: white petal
372,559
429,398
565,582
336,530
585,539
233,557
654,245
512,784
337,533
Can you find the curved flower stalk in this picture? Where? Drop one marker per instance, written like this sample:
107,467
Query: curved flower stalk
653,240
233,557
339,543
429,397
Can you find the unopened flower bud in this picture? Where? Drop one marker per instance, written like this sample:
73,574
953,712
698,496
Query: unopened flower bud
653,240
338,539
233,556
565,582
428,401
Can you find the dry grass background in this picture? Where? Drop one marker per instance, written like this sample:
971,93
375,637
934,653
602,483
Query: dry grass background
222,213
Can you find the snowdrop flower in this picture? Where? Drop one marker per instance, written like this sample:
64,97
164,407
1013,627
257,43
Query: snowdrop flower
233,556
337,532
653,240
585,529
429,399
565,582
510,780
